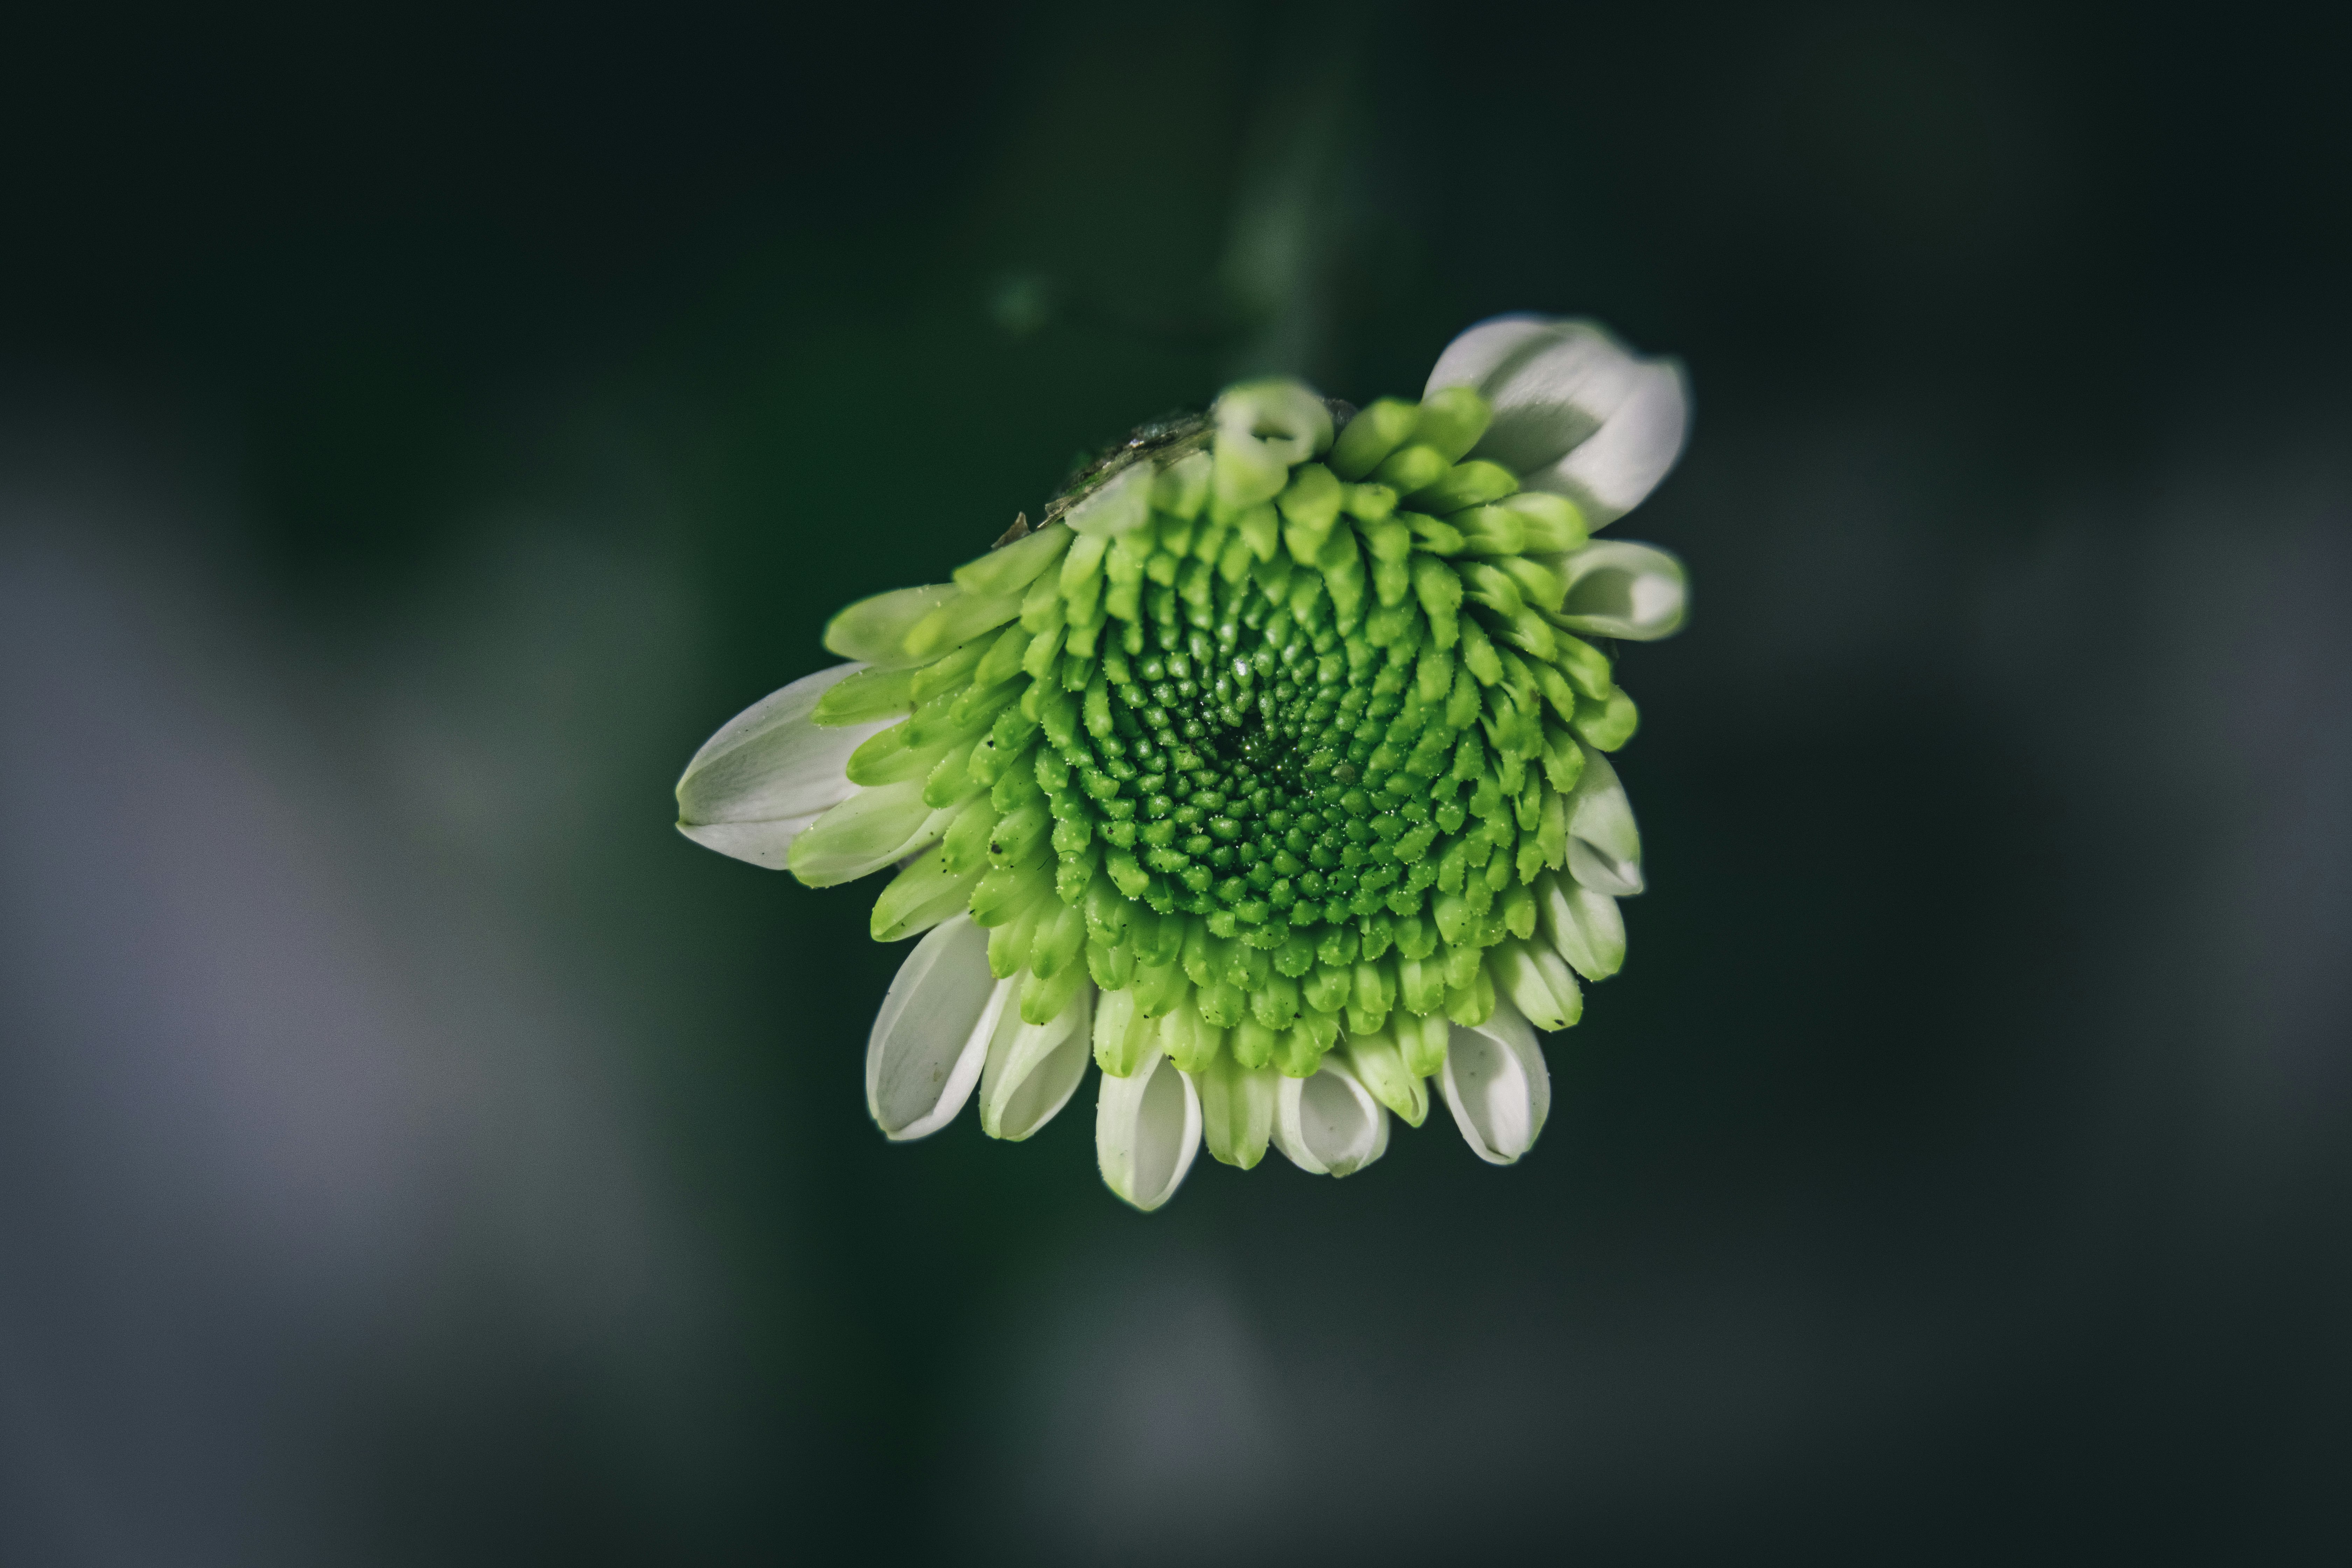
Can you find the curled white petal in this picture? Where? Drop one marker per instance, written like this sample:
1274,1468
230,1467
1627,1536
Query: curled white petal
1620,589
931,1037
1496,1085
1034,1069
1478,356
1538,981
1604,847
1575,412
1147,1131
1378,1059
1583,926
1330,1124
769,772
1262,428
1287,420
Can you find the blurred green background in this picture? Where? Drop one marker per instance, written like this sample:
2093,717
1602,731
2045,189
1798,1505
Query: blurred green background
420,427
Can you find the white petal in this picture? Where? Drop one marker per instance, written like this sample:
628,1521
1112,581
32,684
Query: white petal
1330,1124
1604,847
864,832
1472,358
1262,428
768,844
1034,1069
1380,1066
769,772
1237,1107
1539,983
1583,926
931,1037
1620,589
1575,412
1496,1085
1147,1131
1287,420
1610,472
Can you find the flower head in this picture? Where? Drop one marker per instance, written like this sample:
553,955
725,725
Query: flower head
1270,772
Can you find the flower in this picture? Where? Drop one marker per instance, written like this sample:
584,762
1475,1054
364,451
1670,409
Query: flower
1270,773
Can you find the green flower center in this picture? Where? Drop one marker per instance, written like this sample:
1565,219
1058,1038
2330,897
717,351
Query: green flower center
1247,745
1275,748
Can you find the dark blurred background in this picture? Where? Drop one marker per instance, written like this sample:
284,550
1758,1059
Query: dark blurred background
419,427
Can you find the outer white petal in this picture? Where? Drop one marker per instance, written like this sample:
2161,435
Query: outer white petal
931,1037
1496,1085
1034,1069
1575,412
1330,1124
1609,474
1604,847
1147,1131
763,843
1620,589
1476,356
769,772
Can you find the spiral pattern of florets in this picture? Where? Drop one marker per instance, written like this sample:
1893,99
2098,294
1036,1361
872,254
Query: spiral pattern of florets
1273,735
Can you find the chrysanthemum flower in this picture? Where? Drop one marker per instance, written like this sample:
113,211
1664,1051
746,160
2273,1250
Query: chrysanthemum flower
1271,772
